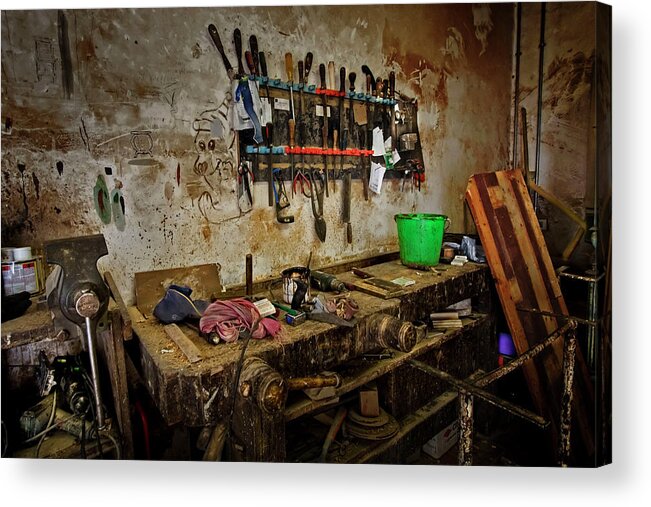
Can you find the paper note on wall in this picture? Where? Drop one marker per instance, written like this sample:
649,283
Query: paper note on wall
359,111
378,142
377,175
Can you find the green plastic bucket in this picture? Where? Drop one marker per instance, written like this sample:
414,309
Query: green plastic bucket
420,236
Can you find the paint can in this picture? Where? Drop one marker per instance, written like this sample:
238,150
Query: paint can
23,276
23,253
296,279
7,254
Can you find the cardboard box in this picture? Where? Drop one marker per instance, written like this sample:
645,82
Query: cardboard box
369,403
442,441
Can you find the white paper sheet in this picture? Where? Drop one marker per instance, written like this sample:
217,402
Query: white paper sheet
377,175
378,142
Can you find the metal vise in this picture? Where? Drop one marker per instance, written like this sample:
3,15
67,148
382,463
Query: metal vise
80,295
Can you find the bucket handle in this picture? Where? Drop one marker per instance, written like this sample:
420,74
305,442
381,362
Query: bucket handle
448,222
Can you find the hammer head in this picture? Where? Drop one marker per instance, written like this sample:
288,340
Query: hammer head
77,258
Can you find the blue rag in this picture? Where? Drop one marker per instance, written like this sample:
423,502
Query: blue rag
176,305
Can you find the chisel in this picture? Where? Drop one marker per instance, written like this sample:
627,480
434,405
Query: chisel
351,116
392,96
346,191
289,69
342,92
331,75
248,56
370,92
308,66
253,44
324,131
301,119
385,95
237,39
292,142
379,89
214,35
269,129
263,73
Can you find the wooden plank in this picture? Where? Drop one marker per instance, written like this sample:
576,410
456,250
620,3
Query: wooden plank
204,280
127,331
184,343
111,351
524,276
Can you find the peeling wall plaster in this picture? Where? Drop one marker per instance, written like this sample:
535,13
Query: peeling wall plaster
157,72
567,160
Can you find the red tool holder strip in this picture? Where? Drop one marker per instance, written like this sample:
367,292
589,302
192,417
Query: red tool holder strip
351,152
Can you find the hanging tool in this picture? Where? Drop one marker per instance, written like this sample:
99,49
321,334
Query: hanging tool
324,130
263,73
351,116
292,142
379,91
346,195
253,44
303,184
244,180
331,75
269,129
301,118
244,92
370,93
237,40
248,56
308,66
342,93
289,69
214,35
317,211
392,96
280,196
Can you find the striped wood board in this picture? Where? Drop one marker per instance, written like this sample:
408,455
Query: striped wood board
525,278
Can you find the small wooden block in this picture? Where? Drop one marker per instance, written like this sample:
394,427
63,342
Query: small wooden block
184,343
204,280
369,403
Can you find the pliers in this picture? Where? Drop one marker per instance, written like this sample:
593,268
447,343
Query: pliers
303,182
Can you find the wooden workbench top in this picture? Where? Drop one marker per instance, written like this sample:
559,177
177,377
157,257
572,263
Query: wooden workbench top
195,393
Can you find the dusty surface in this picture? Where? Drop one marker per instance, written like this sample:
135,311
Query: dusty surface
134,94
196,392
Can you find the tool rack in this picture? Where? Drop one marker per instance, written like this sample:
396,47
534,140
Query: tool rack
314,152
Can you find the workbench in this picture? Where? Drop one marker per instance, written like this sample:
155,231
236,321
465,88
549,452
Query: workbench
198,394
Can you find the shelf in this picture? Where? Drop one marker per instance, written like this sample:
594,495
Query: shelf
379,368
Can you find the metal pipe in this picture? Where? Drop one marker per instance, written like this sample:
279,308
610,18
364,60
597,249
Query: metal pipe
94,371
498,373
569,356
582,278
541,62
472,389
298,383
516,94
466,419
579,320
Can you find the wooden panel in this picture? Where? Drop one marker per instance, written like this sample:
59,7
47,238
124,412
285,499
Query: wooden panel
204,280
525,278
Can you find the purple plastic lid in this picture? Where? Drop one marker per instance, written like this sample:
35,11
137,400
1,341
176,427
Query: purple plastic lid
505,345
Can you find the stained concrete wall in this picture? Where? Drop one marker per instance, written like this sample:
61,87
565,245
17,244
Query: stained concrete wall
571,133
76,83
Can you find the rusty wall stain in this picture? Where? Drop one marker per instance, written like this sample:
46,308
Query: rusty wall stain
129,75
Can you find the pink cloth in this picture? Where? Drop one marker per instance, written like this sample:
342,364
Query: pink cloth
229,318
